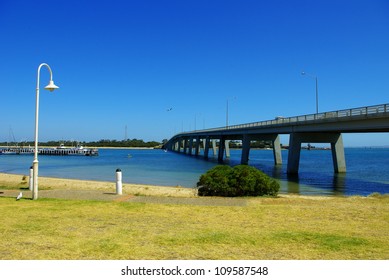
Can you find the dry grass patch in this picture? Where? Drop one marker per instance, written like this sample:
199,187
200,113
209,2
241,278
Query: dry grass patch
267,228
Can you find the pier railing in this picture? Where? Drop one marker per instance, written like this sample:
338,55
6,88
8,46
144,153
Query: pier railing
345,113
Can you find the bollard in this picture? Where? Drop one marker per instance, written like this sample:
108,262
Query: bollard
118,181
31,181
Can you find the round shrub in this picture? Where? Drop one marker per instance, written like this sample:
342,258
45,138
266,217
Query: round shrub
242,180
215,181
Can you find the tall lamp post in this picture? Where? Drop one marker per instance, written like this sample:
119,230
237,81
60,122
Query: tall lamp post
317,93
51,86
227,107
227,114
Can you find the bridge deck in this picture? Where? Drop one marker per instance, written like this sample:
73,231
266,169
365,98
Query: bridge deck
363,119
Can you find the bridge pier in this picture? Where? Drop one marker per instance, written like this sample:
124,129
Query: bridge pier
197,146
214,149
190,145
227,148
206,147
181,145
277,151
245,149
338,157
224,149
221,150
336,140
185,145
178,145
172,146
269,137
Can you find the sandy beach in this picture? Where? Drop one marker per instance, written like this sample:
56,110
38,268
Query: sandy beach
45,183
15,182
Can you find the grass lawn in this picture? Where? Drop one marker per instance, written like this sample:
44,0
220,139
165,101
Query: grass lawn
266,228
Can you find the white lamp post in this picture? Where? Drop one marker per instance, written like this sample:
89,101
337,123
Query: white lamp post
51,86
317,93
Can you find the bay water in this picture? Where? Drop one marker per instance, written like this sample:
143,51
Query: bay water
367,169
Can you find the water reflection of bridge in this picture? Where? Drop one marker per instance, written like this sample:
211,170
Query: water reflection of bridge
315,128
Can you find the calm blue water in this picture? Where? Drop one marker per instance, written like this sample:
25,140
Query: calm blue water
367,169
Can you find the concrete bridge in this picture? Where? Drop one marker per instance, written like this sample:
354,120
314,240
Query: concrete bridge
324,127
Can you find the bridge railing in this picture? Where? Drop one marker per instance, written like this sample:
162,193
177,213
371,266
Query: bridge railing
345,113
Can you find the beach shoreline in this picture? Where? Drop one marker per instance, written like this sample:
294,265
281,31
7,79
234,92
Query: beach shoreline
21,182
48,183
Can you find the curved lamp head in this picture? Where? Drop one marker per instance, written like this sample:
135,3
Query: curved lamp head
51,86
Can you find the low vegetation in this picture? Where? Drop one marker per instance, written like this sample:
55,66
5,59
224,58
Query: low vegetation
264,228
241,180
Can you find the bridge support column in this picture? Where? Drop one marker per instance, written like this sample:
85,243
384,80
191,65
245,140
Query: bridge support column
338,157
190,146
177,146
261,137
245,149
221,150
294,154
206,147
197,146
214,149
169,146
277,150
185,145
227,148
180,145
336,140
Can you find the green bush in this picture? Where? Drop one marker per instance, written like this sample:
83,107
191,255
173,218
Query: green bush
242,180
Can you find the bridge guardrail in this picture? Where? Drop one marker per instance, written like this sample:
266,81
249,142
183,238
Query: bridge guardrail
361,111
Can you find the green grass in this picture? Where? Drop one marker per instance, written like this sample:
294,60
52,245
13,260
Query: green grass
267,228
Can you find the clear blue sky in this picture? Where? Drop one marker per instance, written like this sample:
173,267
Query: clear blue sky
125,63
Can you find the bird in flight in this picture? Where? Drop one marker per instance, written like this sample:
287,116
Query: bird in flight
169,109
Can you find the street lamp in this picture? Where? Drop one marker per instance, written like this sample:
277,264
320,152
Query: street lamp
227,111
227,114
317,93
51,86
